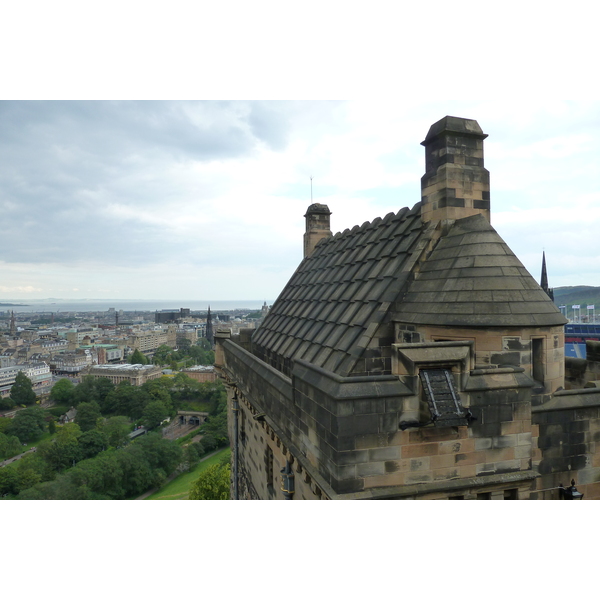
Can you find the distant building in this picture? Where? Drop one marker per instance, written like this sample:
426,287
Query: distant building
38,373
171,316
201,373
134,374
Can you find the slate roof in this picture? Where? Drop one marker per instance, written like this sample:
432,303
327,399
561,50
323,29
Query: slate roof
473,279
334,302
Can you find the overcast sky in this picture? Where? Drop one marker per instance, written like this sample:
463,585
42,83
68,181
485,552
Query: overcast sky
205,199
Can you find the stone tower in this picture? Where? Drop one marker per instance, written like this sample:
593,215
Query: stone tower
317,226
455,184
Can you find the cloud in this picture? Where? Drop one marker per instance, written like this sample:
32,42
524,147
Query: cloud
139,199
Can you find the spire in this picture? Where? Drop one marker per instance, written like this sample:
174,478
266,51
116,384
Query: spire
544,279
13,328
209,329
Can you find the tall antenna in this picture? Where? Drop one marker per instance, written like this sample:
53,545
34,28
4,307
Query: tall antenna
311,178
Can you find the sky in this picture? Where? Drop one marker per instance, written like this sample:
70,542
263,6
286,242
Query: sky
201,197
205,199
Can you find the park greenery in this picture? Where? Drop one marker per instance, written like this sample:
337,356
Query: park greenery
94,457
213,483
186,355
179,487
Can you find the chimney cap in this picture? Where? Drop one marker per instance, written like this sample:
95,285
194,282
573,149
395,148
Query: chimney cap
456,125
322,209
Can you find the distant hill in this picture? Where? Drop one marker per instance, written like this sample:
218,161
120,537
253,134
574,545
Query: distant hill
577,294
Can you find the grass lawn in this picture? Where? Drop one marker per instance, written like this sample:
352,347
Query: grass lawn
178,488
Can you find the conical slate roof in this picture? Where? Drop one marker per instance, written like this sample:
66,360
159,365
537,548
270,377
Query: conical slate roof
473,279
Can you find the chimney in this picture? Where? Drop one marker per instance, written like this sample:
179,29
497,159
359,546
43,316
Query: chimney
317,226
455,184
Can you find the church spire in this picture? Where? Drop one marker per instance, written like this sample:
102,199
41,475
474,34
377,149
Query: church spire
544,279
209,329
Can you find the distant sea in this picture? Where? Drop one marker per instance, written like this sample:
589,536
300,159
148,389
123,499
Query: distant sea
57,305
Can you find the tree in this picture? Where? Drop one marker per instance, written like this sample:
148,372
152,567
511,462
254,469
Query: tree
93,389
190,456
154,414
21,391
28,424
9,482
6,403
63,451
162,355
62,392
137,358
87,416
126,399
213,484
52,426
9,446
92,443
4,423
117,431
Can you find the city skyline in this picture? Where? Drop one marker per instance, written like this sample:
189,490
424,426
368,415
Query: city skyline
144,200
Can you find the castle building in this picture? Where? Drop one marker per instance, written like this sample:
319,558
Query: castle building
411,357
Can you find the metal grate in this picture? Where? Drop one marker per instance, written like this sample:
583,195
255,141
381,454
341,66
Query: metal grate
442,398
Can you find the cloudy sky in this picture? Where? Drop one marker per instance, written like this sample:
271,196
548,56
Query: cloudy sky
204,199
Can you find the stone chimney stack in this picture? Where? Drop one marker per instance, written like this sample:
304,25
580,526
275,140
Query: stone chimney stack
455,184
317,226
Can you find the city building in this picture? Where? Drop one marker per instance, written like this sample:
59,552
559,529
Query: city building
38,373
201,373
411,357
134,374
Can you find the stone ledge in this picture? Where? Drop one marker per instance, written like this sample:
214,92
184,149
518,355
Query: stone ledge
438,486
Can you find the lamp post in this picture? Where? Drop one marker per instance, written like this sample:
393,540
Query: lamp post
570,493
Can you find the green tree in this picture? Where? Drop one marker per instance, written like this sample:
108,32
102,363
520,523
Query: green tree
93,389
213,484
190,456
127,399
137,358
9,446
62,392
162,355
92,443
21,391
63,450
28,424
9,481
6,403
4,423
117,430
87,416
52,426
154,414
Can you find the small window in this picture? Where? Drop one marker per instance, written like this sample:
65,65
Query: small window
456,497
484,496
512,494
269,466
537,359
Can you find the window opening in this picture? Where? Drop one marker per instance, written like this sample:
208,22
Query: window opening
269,466
537,359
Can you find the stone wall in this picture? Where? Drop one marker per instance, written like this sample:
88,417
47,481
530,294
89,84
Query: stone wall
343,434
568,436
